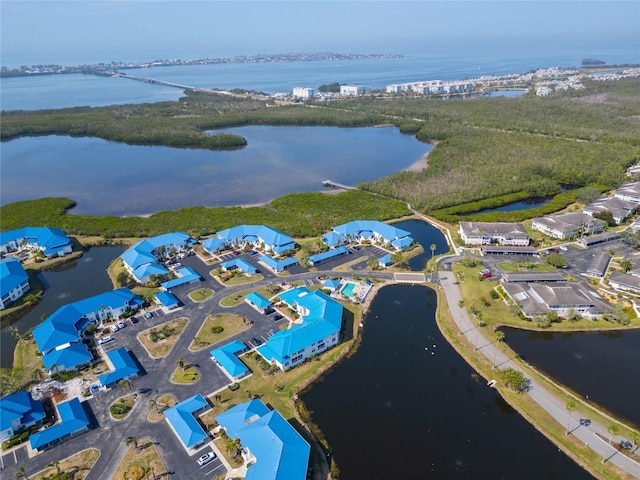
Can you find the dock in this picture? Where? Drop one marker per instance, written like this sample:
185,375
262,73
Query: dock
332,184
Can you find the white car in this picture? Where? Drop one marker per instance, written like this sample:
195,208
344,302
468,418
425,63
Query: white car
104,340
206,458
121,324
114,328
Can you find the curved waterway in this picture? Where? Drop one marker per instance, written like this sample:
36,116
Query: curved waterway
406,405
66,283
426,235
600,366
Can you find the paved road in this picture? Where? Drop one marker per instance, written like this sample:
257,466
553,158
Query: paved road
553,405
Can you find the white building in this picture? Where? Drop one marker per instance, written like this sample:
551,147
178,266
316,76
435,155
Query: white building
304,93
485,233
354,90
568,225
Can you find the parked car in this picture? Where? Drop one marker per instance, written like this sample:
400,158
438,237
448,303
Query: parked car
134,319
268,311
148,315
563,248
104,340
206,458
277,317
121,324
114,328
237,252
256,341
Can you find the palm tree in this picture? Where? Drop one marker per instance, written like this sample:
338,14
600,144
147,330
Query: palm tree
571,407
613,430
180,363
499,338
233,444
131,441
21,473
55,464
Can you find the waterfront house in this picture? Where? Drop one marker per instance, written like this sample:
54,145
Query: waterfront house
19,411
59,337
52,242
14,282
318,330
359,231
568,225
142,260
486,233
273,447
255,236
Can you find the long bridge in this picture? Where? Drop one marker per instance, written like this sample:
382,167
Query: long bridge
155,81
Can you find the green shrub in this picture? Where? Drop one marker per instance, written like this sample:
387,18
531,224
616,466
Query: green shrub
495,295
217,329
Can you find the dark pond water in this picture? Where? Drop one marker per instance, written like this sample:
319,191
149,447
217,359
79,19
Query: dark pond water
109,178
602,366
69,282
426,235
406,406
512,207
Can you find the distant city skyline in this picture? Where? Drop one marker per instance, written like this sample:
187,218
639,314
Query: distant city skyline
73,32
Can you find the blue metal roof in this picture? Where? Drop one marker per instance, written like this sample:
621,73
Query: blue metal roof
12,275
213,244
385,259
186,275
19,405
323,318
144,272
281,452
402,242
73,355
181,418
277,265
258,300
330,283
72,419
123,364
333,239
336,252
48,239
227,359
167,299
239,263
143,252
272,238
367,227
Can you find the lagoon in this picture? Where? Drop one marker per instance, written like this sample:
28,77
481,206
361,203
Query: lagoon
406,405
109,178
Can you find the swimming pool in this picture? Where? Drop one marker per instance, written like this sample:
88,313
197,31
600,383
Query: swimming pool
347,290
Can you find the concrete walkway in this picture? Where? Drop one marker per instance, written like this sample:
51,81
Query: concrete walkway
543,397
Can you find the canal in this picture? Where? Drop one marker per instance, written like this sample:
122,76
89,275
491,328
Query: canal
405,405
426,235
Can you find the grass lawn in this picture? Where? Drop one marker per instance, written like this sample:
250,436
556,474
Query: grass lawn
25,362
185,377
127,401
237,298
79,465
231,324
201,295
145,458
164,401
162,347
235,278
525,267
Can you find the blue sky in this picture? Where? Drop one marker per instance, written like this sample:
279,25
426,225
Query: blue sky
71,32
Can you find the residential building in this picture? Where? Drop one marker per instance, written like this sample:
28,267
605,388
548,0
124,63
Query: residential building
258,301
73,421
14,282
318,330
182,420
304,93
19,411
599,265
485,233
59,337
354,90
124,367
629,192
52,242
620,209
562,298
226,357
239,264
568,225
257,236
142,259
184,275
368,230
273,447
625,282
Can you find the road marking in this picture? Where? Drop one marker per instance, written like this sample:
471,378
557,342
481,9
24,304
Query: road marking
211,471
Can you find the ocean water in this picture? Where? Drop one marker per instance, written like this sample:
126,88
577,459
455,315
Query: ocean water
429,62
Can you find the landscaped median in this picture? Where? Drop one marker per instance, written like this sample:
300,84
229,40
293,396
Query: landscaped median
77,466
237,298
141,459
159,340
201,295
217,328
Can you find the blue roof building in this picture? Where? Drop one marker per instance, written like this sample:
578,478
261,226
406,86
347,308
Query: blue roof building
69,356
225,356
124,367
276,449
14,281
240,264
185,275
331,284
328,255
359,230
213,244
184,424
51,241
278,265
319,330
255,235
141,260
257,300
385,260
73,420
17,411
167,299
